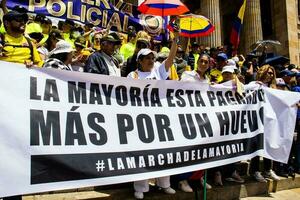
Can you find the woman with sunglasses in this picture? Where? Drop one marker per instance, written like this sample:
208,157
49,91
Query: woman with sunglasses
266,76
147,70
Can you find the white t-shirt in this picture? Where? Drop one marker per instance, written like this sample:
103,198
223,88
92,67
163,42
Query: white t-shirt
158,72
192,76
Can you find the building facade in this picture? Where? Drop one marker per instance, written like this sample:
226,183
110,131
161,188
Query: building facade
264,19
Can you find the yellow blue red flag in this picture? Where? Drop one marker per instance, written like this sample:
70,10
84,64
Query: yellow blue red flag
237,27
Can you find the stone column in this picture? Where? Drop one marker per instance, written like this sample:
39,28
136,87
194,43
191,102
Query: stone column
252,24
211,10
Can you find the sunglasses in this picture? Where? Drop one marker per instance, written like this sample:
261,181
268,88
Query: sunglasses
270,73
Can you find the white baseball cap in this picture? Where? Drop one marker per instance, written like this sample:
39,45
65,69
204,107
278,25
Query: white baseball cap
231,62
145,52
280,82
236,59
62,47
228,68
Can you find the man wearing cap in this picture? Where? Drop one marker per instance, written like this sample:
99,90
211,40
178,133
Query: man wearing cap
15,46
194,56
103,62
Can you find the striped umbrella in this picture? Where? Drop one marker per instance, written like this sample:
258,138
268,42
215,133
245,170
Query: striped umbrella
192,26
163,7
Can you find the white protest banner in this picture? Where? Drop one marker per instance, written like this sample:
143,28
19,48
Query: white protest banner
62,130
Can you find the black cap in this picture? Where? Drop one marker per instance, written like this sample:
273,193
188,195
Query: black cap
143,41
40,18
15,15
112,37
116,36
20,9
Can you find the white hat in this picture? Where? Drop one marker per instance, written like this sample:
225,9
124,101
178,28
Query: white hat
231,62
62,47
280,82
236,59
145,52
228,68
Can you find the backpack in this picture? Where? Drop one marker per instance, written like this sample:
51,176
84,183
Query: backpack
30,45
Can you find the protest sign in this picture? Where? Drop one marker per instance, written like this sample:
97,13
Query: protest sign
62,130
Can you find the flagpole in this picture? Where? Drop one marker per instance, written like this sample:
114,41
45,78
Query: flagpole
204,187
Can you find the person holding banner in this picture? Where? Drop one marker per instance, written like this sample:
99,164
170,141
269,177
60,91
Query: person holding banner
61,56
266,76
200,76
147,70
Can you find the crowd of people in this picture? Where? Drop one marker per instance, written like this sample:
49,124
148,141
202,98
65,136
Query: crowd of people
37,42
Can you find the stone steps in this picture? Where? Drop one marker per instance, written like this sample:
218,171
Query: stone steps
229,191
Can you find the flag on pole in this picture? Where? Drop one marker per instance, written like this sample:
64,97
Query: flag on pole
237,27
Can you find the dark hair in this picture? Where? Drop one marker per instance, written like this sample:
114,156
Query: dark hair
204,54
60,25
54,34
141,45
291,66
70,22
90,25
40,18
60,56
208,69
37,36
139,66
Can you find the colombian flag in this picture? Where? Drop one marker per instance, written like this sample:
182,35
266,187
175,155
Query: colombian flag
237,27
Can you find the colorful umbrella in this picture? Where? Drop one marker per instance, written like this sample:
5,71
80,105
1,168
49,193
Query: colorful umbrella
163,7
192,26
